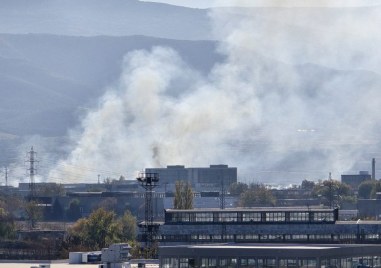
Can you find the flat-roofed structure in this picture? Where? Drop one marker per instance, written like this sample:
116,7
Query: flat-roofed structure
201,178
264,225
354,180
269,255
251,215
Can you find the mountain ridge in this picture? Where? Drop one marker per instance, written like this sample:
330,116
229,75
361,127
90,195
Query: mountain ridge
111,18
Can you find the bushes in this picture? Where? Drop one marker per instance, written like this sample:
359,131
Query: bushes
99,230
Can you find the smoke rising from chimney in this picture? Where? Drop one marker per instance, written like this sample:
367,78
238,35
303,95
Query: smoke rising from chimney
297,96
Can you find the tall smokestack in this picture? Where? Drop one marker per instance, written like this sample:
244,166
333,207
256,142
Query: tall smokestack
373,169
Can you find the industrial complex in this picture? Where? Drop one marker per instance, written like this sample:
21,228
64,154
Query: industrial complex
298,230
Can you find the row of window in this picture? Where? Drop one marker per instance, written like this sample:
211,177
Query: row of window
284,216
250,262
268,237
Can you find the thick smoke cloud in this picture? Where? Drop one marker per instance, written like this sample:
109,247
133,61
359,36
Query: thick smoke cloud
297,96
316,73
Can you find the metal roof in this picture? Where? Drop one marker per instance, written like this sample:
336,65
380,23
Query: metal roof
253,209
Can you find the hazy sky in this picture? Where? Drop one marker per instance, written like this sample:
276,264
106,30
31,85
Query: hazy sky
220,3
296,97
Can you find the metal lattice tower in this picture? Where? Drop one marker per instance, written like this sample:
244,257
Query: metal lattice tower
32,156
148,181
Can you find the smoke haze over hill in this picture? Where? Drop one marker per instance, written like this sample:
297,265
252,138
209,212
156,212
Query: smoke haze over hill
297,96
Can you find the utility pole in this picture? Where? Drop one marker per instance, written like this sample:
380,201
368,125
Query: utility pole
32,156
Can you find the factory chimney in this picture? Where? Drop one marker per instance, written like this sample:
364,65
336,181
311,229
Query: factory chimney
373,169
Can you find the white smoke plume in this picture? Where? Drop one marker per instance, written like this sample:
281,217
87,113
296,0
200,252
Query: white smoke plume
297,96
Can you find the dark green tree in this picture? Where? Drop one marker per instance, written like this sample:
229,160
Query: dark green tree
366,188
332,192
57,211
7,226
74,211
76,237
376,189
128,227
97,231
33,213
257,195
183,195
307,185
102,229
136,249
237,188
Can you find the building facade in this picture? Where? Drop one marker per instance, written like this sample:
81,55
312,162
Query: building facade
355,180
264,225
201,178
270,255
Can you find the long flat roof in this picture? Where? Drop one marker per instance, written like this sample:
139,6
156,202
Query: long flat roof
252,209
261,246
271,250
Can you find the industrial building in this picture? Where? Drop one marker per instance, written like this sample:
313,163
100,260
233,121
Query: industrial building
370,208
201,178
264,225
270,255
355,180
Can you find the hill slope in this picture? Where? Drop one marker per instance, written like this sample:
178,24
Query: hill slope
97,17
45,78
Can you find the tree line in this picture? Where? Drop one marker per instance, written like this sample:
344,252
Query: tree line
331,193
